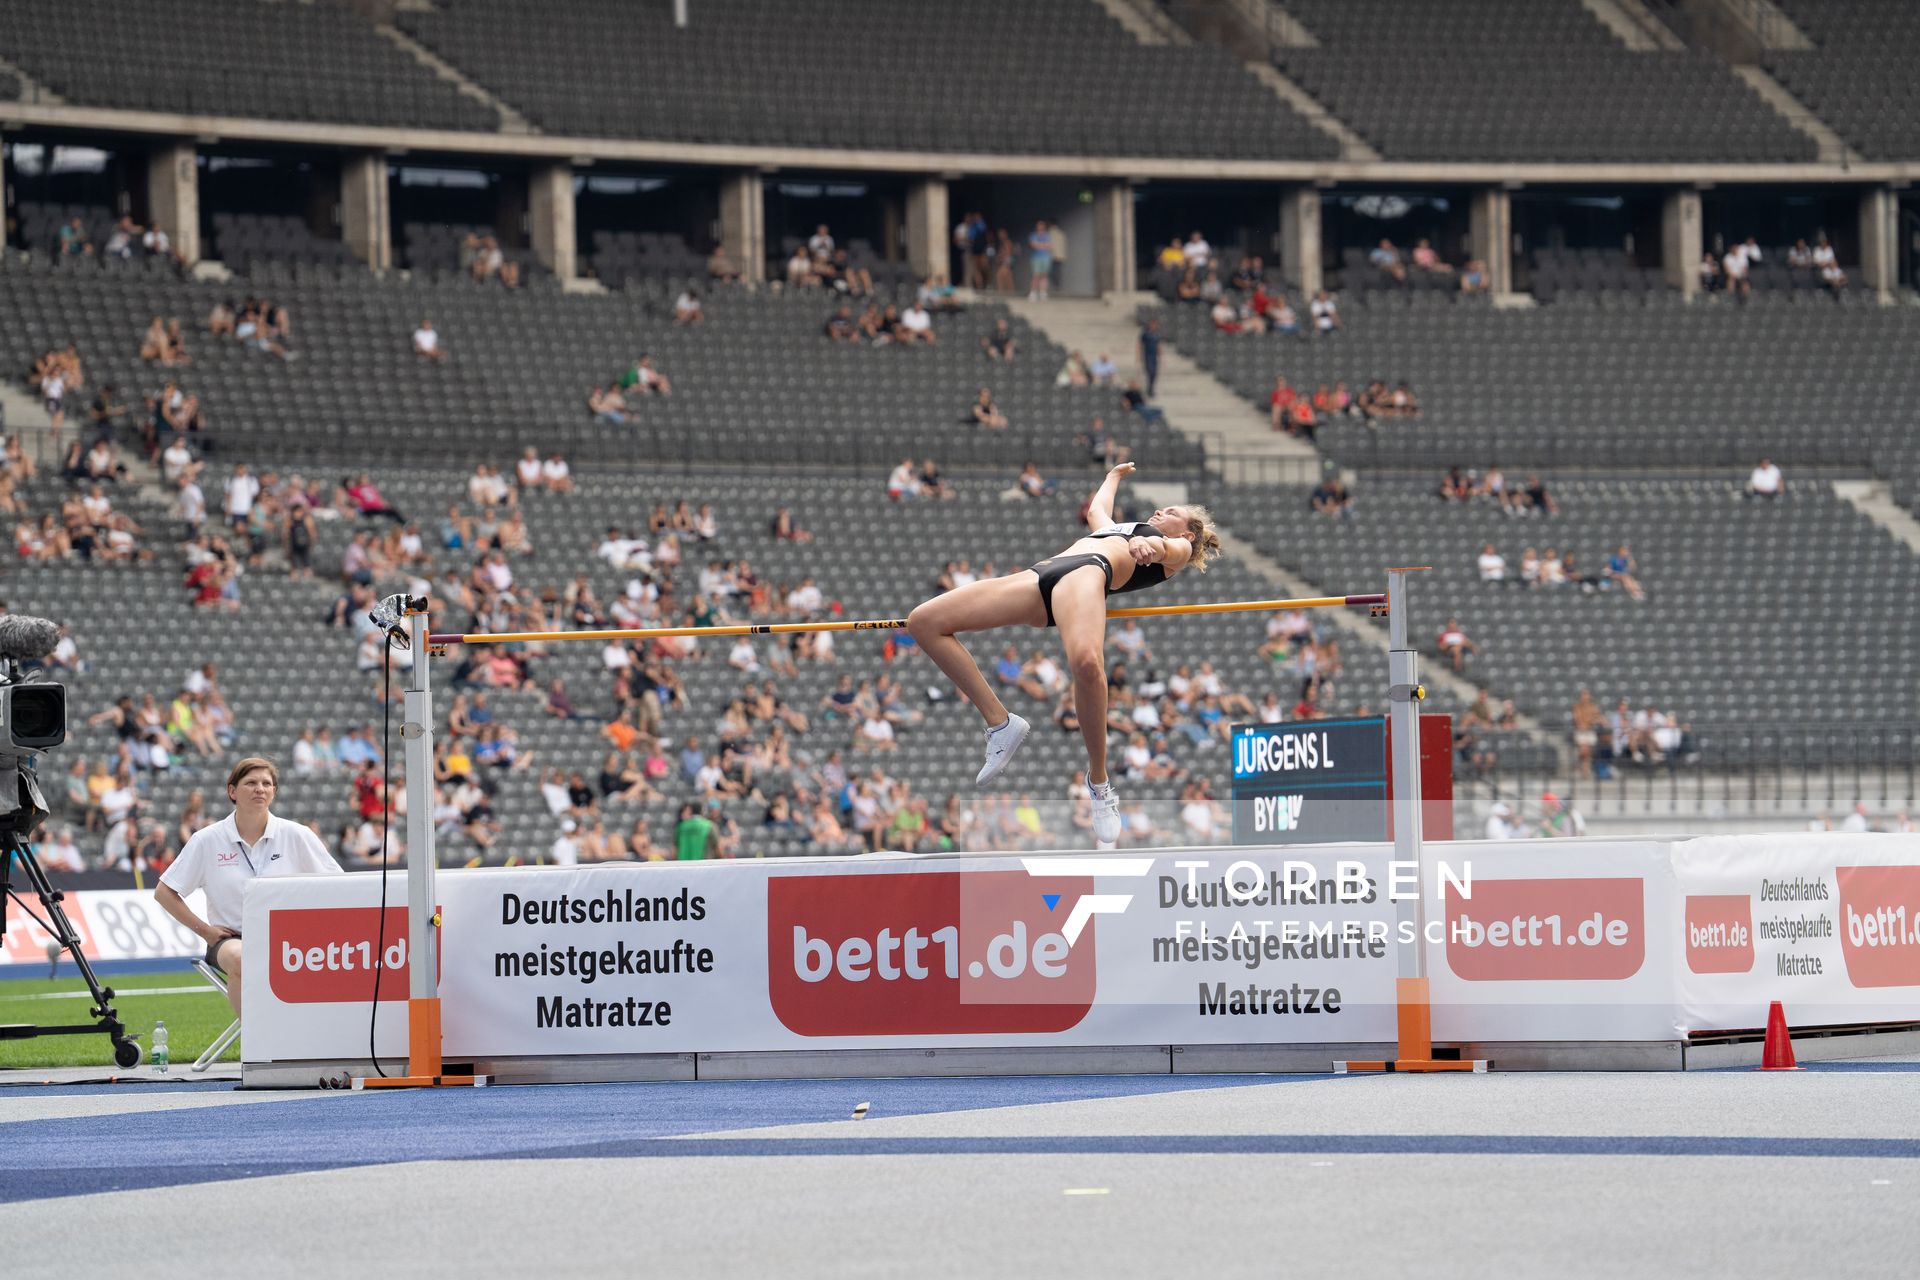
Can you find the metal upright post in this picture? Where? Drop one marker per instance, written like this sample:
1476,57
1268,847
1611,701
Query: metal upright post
424,1067
1413,995
1403,713
416,732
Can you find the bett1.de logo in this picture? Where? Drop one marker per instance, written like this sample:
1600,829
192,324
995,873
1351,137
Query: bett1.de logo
927,953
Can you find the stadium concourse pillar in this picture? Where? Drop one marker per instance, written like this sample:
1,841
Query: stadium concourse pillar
743,223
173,196
1682,240
927,246
1300,251
1492,235
366,221
1880,241
1115,253
550,201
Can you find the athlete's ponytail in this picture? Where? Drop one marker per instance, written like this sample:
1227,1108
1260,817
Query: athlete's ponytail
1205,539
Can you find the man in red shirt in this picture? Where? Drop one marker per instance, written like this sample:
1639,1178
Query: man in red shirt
1280,402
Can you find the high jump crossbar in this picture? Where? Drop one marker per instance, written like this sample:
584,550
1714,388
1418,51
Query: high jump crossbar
1377,599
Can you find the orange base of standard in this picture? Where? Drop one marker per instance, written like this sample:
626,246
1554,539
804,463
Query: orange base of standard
423,1054
1416,1037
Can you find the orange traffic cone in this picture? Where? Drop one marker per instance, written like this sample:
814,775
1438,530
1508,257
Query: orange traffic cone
1777,1054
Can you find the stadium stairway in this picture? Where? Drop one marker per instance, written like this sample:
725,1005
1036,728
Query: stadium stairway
1197,404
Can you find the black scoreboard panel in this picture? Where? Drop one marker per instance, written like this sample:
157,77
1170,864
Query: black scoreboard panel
1310,781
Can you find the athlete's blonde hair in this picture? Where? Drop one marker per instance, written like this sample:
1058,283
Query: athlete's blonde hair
1203,535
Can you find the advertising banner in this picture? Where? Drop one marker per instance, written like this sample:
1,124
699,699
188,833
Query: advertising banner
1826,923
113,924
1569,940
1174,947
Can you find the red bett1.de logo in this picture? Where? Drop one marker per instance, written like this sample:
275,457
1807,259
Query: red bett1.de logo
325,955
1880,925
926,953
1591,929
1720,932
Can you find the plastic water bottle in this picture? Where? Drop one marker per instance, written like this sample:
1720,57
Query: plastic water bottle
160,1047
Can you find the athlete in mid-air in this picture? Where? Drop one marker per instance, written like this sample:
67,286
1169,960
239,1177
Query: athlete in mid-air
1068,591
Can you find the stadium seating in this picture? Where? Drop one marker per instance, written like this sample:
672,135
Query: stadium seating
1859,77
1523,80
757,380
1756,612
1596,380
239,239
279,61
282,671
1036,76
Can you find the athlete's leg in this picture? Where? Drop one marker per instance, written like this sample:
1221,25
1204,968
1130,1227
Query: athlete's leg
1013,600
1080,611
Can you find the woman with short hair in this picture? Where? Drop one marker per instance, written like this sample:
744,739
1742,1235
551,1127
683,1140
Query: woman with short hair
250,843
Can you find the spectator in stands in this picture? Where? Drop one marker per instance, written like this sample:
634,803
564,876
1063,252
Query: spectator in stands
1621,569
933,484
687,309
1149,355
1473,277
254,330
1455,645
1073,372
1733,268
426,342
800,268
607,405
74,241
1537,499
1196,253
1492,565
915,325
1455,486
986,414
1326,315
903,482
1032,484
721,267
784,528
1800,257
1709,272
1189,287
1039,261
1003,255
1283,319
1331,499
1828,265
644,377
1000,344
222,320
1427,260
1766,481
1586,719
1386,259
841,327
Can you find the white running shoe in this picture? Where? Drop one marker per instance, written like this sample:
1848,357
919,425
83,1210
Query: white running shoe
1106,814
1001,744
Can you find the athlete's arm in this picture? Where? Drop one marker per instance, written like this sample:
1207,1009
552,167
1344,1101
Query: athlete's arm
1100,509
1172,553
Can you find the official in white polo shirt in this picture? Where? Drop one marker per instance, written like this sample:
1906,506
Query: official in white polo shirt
248,843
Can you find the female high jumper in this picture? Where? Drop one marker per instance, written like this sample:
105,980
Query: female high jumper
1068,591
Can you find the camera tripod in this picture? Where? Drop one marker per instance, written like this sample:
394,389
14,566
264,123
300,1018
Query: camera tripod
126,1049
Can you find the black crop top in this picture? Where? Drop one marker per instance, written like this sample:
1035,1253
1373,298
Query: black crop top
1144,575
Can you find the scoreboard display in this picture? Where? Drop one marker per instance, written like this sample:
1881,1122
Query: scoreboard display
1324,781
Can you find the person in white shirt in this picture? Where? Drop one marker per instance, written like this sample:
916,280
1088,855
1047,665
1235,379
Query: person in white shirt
806,598
62,854
306,756
903,481
241,490
743,658
1499,822
249,843
556,474
426,342
192,508
528,469
1493,565
1326,315
1130,640
1857,820
1197,252
1766,480
917,325
565,851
